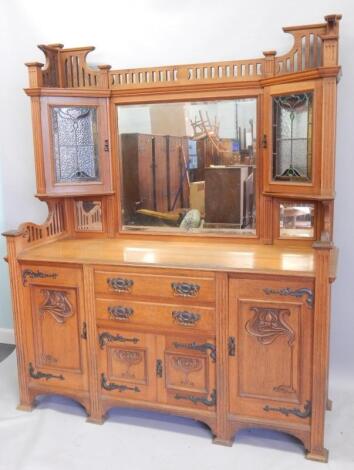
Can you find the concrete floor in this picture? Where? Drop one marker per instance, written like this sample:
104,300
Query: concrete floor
5,350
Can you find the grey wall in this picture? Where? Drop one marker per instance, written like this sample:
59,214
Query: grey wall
141,33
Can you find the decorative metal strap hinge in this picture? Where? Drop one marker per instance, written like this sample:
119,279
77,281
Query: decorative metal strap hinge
84,331
306,413
36,275
195,399
42,375
159,368
198,347
232,346
112,386
287,291
106,337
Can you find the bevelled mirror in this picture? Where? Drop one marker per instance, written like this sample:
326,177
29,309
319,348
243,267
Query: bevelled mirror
189,166
296,219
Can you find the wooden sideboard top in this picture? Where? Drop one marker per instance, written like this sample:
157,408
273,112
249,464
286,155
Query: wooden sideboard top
203,256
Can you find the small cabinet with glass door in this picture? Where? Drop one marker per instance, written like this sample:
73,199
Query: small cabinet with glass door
76,145
291,141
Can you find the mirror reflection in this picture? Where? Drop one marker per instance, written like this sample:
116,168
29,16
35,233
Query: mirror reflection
189,166
296,219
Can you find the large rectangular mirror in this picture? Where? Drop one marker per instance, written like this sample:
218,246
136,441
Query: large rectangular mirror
189,166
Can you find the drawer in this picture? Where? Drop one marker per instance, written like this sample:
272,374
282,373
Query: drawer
179,317
126,283
34,274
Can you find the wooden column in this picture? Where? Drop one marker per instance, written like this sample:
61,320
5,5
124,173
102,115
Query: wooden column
13,242
320,350
222,435
269,63
96,415
104,75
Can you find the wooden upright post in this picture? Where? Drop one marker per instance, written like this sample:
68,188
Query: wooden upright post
321,322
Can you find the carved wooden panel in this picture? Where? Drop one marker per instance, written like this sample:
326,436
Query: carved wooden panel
268,337
56,330
56,327
271,364
186,372
127,364
189,371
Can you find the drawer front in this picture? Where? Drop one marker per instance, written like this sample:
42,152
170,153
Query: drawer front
179,317
49,275
125,283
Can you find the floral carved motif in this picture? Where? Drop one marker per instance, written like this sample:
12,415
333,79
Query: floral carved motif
56,303
268,324
187,365
129,358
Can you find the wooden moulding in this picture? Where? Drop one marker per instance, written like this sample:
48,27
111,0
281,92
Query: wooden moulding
314,46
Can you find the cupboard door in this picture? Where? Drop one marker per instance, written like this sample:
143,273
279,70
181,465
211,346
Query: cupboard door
186,372
127,364
291,141
57,345
270,348
76,145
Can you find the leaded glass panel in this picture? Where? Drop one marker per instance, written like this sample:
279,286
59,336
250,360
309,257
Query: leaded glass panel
292,137
75,143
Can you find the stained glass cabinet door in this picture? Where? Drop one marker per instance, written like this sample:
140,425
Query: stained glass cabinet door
291,142
76,145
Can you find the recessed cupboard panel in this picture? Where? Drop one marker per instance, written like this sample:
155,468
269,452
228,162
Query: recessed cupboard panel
189,166
76,145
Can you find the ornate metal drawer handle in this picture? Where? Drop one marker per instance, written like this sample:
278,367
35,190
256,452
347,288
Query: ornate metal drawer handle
294,293
106,337
120,313
42,375
36,275
112,386
306,413
119,284
185,318
198,347
195,399
185,289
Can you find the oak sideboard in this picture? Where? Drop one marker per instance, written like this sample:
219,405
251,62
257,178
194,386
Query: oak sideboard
186,262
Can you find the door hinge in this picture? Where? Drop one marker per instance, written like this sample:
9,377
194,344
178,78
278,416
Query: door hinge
264,141
159,368
106,145
84,331
232,346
